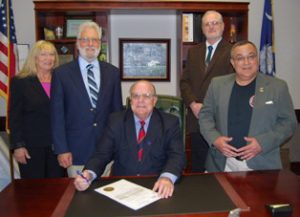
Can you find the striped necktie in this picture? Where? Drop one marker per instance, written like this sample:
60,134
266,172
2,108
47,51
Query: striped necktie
92,85
141,136
210,48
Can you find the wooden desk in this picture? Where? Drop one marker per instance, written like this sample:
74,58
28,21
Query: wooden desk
51,197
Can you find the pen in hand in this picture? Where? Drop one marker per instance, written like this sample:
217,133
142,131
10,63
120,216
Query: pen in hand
82,176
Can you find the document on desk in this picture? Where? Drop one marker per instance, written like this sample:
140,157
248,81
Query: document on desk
129,194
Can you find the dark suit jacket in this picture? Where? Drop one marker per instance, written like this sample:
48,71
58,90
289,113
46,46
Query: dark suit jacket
75,124
163,147
29,115
196,76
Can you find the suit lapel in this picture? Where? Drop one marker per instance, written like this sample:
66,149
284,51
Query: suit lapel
130,134
153,133
103,77
218,51
259,100
200,66
224,102
75,75
38,88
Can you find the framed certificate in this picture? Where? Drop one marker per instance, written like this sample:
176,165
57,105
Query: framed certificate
72,26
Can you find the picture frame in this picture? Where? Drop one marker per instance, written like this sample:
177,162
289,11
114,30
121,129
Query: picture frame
72,25
147,59
23,51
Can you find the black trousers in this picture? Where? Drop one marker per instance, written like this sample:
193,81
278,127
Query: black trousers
42,164
199,149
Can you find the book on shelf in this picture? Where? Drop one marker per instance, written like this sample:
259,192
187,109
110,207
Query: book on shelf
197,21
191,27
187,27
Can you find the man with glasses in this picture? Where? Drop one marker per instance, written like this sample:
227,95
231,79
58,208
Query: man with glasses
205,61
141,141
246,116
83,94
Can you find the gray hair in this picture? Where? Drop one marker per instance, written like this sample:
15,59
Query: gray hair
89,24
212,12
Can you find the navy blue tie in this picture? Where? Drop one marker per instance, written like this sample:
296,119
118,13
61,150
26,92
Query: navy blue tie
92,85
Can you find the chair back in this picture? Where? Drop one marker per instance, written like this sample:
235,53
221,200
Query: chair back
173,105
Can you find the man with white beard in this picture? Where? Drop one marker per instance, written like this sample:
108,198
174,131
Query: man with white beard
83,94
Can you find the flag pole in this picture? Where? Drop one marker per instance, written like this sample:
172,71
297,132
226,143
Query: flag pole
11,162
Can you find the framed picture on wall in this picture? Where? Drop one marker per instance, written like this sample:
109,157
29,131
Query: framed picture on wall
23,51
144,59
72,25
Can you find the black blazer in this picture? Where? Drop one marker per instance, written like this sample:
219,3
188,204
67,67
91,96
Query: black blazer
29,115
163,147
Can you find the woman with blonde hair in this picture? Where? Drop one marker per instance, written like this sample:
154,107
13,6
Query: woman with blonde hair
29,115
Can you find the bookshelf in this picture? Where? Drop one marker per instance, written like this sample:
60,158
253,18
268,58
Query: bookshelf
53,13
49,21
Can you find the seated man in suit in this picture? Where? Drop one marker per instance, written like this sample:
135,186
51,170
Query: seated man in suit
142,141
246,116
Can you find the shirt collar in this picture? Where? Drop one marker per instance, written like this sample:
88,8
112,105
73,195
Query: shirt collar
213,45
83,63
137,120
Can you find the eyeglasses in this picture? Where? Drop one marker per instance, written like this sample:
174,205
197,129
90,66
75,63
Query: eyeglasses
212,23
88,40
146,96
242,59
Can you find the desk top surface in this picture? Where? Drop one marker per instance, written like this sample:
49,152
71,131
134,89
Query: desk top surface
52,197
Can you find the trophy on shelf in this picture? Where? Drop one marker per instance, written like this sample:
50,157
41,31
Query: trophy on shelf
49,34
232,31
59,32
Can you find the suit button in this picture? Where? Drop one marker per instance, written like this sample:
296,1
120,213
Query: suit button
95,124
91,109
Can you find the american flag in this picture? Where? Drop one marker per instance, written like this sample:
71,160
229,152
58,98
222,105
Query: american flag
267,48
8,48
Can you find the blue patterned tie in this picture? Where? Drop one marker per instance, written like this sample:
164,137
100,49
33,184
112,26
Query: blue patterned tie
210,48
92,85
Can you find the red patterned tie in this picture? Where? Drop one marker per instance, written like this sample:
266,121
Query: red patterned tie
141,136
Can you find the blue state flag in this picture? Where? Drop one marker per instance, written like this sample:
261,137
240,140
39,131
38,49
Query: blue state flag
267,51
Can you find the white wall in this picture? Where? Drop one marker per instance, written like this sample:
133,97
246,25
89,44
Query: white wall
145,24
158,24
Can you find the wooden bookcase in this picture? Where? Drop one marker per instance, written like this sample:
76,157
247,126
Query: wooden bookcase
50,19
53,13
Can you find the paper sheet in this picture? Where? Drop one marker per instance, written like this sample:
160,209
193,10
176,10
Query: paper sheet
129,194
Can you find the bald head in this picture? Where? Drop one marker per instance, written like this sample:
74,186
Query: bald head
143,98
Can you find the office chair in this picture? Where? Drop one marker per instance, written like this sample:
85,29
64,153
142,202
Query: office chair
173,105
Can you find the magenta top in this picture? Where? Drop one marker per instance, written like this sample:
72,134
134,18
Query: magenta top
47,87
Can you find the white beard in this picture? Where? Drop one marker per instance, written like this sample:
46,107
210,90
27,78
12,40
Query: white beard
83,53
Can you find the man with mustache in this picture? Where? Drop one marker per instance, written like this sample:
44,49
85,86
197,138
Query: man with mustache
246,116
83,94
